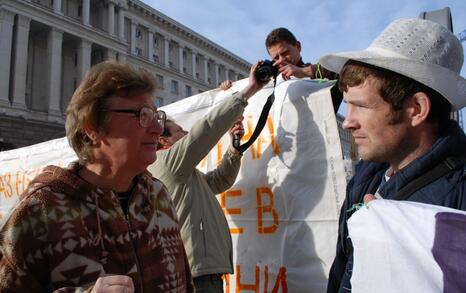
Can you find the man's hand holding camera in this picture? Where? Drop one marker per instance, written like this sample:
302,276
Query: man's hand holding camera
236,133
254,84
287,70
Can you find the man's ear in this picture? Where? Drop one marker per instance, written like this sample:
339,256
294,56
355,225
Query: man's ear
163,141
93,134
298,45
418,108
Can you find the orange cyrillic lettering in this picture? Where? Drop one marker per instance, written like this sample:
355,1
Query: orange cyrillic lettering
262,209
203,162
250,287
226,277
275,147
266,279
247,135
281,280
19,180
231,211
219,153
223,199
6,183
256,148
2,187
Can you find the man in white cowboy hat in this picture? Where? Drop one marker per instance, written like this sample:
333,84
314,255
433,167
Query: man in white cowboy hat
400,92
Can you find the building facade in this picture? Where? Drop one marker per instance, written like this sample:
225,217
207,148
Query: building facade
348,147
46,47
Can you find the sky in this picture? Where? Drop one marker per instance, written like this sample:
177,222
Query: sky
321,26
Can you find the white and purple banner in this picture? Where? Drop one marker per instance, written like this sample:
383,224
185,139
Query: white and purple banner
406,247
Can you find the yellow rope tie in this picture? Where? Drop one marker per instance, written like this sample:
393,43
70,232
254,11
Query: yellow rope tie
318,74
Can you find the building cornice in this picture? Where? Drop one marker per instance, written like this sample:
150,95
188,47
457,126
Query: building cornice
179,29
186,78
66,24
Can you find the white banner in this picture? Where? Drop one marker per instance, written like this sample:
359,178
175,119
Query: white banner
406,247
283,208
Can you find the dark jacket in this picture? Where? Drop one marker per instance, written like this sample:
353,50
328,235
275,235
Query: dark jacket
448,191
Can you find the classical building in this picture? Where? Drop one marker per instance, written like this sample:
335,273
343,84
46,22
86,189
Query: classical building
46,46
348,147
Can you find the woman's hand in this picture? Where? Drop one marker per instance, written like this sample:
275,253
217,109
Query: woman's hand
114,284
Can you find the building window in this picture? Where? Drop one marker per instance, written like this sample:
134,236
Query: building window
174,87
138,51
138,34
188,91
170,49
185,70
156,58
197,75
80,10
159,79
170,64
158,102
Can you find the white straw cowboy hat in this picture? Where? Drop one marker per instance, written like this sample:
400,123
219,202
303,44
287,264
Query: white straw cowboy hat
419,49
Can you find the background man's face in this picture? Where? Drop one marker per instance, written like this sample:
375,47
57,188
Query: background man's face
284,53
176,132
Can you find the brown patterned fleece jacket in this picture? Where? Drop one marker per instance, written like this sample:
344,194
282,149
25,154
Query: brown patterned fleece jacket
65,233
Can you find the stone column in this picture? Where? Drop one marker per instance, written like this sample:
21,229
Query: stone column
84,57
150,45
121,23
217,79
227,74
54,56
206,70
57,6
20,65
6,37
122,57
86,7
133,37
110,54
111,18
180,59
194,63
166,52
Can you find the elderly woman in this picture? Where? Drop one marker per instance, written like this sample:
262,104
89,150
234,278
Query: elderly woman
104,223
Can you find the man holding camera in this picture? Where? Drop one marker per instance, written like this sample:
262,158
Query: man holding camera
285,51
204,228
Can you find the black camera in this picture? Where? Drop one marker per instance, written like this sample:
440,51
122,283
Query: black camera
266,70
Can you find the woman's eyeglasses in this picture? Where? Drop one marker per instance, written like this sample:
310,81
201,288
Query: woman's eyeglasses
146,115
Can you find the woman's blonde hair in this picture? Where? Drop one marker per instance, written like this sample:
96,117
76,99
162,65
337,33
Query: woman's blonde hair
88,105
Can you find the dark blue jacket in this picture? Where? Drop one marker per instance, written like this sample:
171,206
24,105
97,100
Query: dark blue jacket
449,191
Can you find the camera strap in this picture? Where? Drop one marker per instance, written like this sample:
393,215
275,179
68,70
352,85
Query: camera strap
260,123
